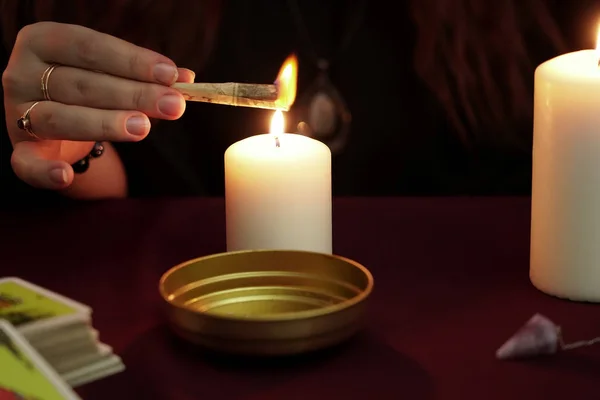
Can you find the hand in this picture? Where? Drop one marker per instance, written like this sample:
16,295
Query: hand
103,89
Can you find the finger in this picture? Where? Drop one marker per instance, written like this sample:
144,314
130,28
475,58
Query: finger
30,165
75,86
186,75
82,47
51,120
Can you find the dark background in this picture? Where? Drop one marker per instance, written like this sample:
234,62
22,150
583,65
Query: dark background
400,141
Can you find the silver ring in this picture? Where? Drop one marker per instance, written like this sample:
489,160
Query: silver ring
24,123
45,80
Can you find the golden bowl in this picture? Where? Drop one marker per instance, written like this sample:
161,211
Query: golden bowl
266,302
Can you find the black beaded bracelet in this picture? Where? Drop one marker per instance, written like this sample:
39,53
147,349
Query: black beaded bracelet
82,165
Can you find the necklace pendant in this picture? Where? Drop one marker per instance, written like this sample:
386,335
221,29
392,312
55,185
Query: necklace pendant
323,65
321,113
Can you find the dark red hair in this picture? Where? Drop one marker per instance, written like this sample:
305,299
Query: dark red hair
476,56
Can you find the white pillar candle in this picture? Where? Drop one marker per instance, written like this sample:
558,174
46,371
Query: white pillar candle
278,192
565,220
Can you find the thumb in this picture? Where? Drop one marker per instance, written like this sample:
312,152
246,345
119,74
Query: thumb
30,165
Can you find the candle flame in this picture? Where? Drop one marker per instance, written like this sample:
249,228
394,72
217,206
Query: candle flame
277,123
286,83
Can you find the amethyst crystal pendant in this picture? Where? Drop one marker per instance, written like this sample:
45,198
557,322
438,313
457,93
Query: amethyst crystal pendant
537,337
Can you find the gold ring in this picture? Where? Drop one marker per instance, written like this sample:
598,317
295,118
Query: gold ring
24,123
45,80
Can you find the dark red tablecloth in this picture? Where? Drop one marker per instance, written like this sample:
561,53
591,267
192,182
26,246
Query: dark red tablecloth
451,284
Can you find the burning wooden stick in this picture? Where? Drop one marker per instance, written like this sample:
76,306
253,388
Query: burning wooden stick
277,96
231,94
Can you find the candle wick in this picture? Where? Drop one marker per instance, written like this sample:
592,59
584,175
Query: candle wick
277,144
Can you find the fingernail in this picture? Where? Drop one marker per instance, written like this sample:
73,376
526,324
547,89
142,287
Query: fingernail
165,73
192,73
171,105
137,126
59,176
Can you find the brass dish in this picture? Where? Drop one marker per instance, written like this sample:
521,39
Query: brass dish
266,302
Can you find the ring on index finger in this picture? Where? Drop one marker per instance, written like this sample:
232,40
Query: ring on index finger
24,123
46,79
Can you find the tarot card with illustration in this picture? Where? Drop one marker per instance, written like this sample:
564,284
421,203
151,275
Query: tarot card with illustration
24,374
31,308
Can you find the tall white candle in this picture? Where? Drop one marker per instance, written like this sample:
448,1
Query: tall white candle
565,220
278,192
